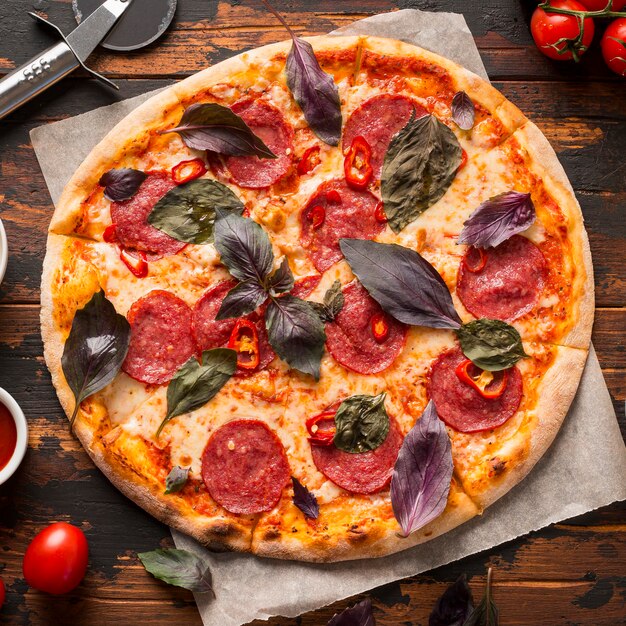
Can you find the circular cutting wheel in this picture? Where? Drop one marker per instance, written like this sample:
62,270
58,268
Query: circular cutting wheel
142,23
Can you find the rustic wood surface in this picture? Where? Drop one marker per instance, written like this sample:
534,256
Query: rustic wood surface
571,573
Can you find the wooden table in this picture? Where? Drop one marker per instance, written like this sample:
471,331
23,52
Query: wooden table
571,573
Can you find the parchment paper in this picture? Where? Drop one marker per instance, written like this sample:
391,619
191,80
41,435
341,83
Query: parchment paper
585,468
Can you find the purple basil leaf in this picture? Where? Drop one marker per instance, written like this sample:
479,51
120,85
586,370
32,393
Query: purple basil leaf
463,111
211,126
241,300
282,279
405,284
358,615
122,184
305,500
454,605
420,483
498,219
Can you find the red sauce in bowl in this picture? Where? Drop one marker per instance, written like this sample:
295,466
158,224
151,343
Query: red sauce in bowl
8,436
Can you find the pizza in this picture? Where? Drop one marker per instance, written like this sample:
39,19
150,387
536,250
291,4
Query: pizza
318,323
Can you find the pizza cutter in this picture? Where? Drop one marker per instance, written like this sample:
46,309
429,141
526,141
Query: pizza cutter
116,24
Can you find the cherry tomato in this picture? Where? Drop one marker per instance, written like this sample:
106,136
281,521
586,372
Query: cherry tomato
599,5
2,593
56,559
557,36
614,46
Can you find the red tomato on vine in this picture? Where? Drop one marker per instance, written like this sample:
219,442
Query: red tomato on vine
614,46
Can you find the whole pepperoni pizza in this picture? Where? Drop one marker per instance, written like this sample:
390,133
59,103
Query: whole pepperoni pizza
326,300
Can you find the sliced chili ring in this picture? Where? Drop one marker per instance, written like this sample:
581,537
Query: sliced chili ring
319,436
490,385
244,340
317,215
110,233
136,262
333,196
357,164
463,160
309,161
380,327
379,213
475,264
188,170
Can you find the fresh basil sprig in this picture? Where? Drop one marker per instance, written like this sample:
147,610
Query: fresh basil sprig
305,500
362,423
486,612
454,605
463,110
95,348
420,483
178,567
187,212
313,89
419,166
498,219
332,304
194,384
492,345
121,184
211,126
176,479
361,614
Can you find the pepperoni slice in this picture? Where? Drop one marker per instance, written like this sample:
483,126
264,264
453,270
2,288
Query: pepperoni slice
131,219
211,333
160,337
506,283
268,123
244,467
305,286
365,472
350,337
333,212
460,406
378,120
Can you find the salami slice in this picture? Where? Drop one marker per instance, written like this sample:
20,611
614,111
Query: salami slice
504,282
377,120
211,333
305,286
131,219
160,337
268,123
333,212
365,472
461,406
350,337
244,467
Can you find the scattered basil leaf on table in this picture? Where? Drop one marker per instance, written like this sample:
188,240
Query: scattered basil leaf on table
486,612
121,184
282,279
454,605
176,479
463,110
305,500
194,384
405,284
95,348
296,333
332,304
419,166
420,482
492,345
178,567
498,219
360,614
362,423
313,89
211,126
187,212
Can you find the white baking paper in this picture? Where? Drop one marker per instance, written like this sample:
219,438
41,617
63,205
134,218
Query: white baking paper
583,470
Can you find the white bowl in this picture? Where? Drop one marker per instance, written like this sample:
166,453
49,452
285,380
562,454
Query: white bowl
4,251
22,436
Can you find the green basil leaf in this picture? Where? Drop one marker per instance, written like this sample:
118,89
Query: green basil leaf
419,166
244,247
194,384
362,423
282,279
176,479
178,567
241,300
492,345
187,212
95,348
486,612
332,304
296,333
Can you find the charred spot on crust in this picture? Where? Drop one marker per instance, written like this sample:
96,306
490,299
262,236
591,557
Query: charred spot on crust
497,466
271,534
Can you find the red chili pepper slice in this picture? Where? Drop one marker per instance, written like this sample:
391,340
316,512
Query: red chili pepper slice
309,161
379,213
319,436
333,196
110,234
317,215
244,340
357,164
463,160
138,265
380,327
480,263
245,212
489,387
188,170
